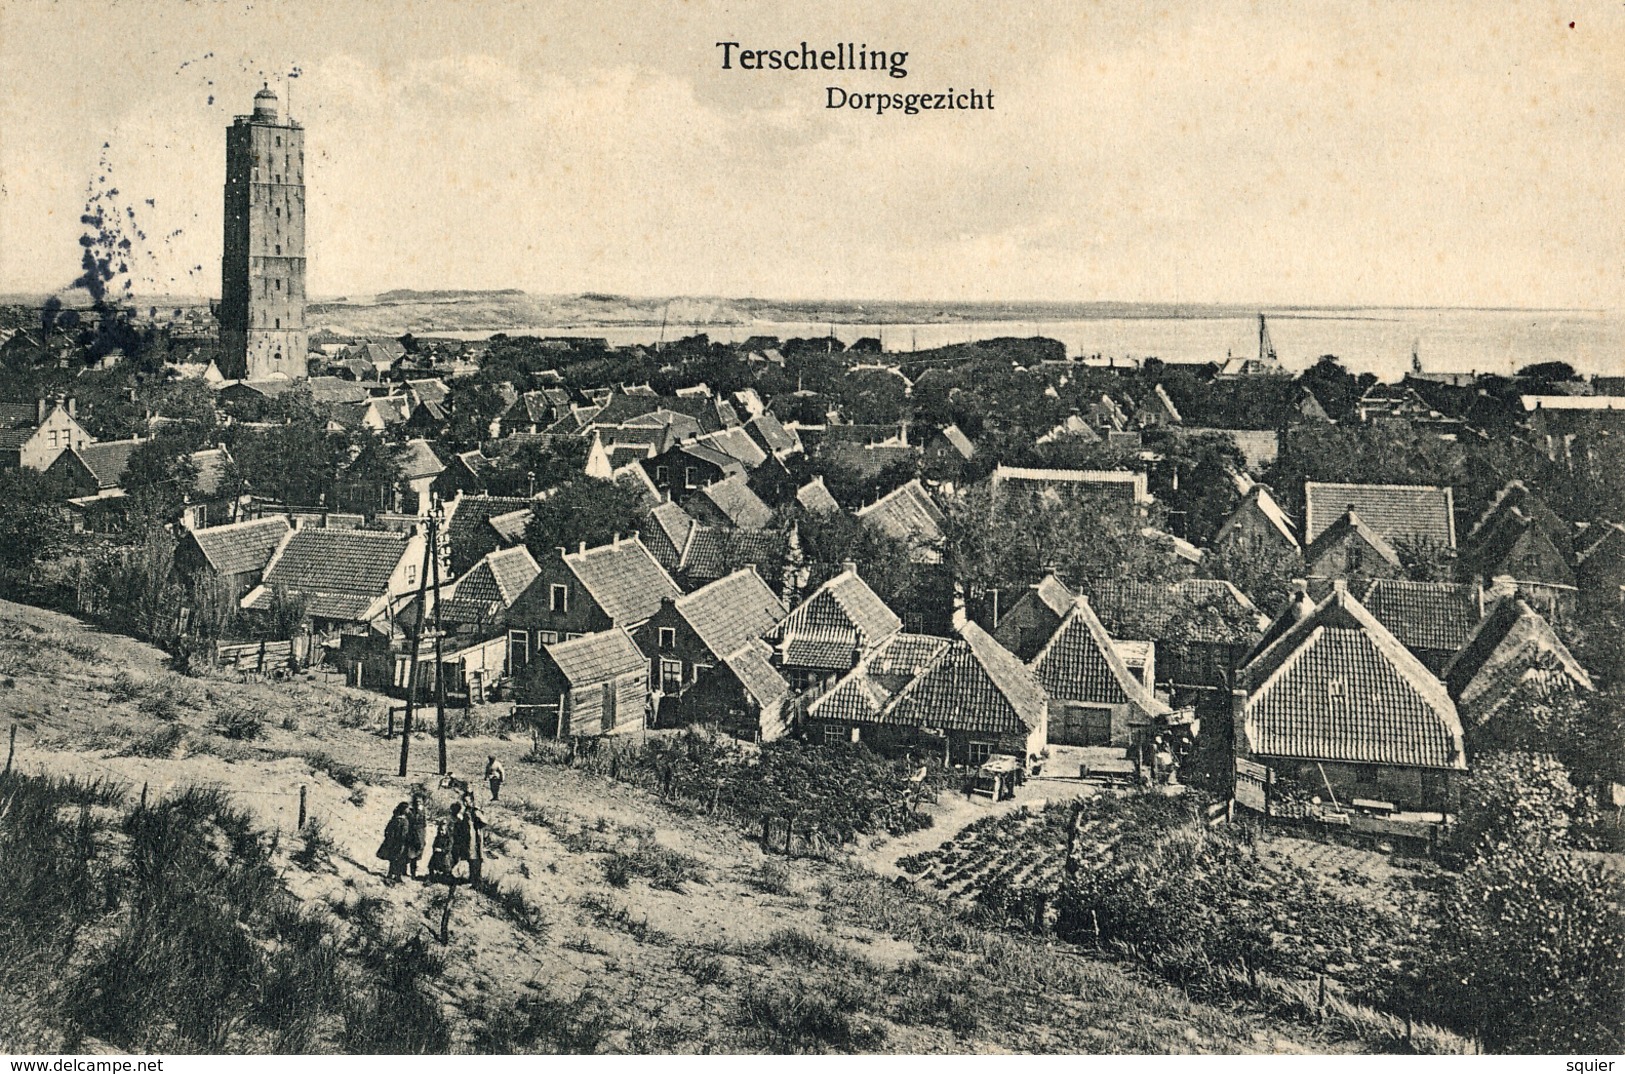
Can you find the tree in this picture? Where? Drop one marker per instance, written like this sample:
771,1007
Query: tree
160,478
583,511
1529,953
32,522
1515,798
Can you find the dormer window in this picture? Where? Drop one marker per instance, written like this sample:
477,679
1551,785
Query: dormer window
558,598
1334,687
668,637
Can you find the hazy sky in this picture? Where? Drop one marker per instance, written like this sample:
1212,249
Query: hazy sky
1419,153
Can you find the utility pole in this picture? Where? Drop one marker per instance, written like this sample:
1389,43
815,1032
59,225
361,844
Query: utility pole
439,637
412,658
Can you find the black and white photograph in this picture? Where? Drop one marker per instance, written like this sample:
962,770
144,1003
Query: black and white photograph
931,529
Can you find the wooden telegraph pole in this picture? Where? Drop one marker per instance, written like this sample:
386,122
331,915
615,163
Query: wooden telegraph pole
412,659
439,636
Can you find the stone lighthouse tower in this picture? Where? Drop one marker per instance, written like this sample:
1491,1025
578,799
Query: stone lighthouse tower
262,270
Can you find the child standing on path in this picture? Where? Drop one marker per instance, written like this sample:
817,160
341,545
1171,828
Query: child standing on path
493,776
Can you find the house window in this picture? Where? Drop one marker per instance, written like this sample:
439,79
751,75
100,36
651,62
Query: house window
688,477
668,637
671,676
698,670
558,598
53,438
662,474
571,636
835,735
411,574
547,637
978,752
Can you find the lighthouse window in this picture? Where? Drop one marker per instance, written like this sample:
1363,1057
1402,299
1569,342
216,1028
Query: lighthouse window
279,322
279,251
279,139
279,212
279,285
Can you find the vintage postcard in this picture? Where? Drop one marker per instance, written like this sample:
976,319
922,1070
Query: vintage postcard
873,529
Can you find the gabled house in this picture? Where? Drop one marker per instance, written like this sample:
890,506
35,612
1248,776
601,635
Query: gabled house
235,554
419,467
690,640
1033,619
1334,703
830,631
949,449
771,435
815,498
1157,410
1349,548
965,698
1431,619
1201,628
97,468
345,577
1517,546
730,502
1095,700
1512,646
909,514
1257,527
1402,514
478,603
468,535
34,434
1600,570
593,684
586,592
680,472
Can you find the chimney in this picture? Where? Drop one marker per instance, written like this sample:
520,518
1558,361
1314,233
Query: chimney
73,407
563,551
849,567
40,406
615,543
583,549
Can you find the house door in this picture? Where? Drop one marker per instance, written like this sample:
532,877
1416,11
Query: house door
1082,725
609,707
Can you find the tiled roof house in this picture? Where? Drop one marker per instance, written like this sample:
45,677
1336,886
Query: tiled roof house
1399,513
1512,646
345,576
1094,699
966,696
237,553
1334,702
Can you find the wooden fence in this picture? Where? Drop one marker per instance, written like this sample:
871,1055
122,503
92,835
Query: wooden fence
269,659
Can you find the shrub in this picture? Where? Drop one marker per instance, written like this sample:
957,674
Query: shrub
808,1016
703,966
160,705
773,878
544,1024
243,724
316,852
1530,953
124,687
164,742
393,1013
1521,798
